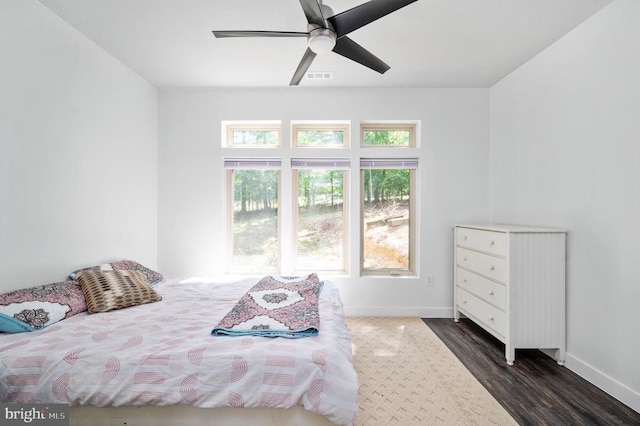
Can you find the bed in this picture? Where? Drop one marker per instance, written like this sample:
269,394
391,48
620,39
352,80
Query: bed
158,363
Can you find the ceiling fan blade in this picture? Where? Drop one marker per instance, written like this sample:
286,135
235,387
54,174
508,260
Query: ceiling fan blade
305,62
352,50
313,12
352,19
224,34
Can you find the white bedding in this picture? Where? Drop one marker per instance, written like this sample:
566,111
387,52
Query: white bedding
163,353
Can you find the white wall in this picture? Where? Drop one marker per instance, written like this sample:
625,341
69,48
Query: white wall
78,152
453,178
79,170
565,152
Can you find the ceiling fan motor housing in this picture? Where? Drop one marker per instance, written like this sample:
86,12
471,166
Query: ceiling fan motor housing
321,40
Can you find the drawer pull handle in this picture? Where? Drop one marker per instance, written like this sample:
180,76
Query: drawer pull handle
464,302
464,281
465,259
490,317
464,238
492,268
492,243
491,293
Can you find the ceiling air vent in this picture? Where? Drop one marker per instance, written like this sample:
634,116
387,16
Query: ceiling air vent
319,75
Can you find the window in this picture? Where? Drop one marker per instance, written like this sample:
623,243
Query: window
388,242
253,201
320,134
251,134
295,212
320,214
388,135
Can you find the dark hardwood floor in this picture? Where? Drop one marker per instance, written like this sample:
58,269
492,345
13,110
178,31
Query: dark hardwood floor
535,390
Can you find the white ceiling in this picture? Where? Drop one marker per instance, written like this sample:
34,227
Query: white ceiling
430,43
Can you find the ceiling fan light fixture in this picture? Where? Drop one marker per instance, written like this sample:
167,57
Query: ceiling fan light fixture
322,40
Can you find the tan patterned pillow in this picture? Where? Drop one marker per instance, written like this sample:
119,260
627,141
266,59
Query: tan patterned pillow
109,290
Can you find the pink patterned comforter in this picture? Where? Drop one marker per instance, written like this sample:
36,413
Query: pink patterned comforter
163,354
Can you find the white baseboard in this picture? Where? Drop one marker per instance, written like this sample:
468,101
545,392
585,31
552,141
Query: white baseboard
399,312
611,386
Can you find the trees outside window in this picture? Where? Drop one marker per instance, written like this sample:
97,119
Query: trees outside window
388,135
320,214
320,135
387,211
254,134
253,215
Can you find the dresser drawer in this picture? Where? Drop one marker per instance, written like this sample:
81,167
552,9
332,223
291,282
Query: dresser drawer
486,314
487,241
485,289
489,266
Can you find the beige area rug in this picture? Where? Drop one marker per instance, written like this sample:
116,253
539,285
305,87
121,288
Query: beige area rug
409,377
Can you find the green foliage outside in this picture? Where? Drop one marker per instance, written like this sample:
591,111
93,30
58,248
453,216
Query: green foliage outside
387,137
255,190
255,137
320,217
319,187
319,233
320,137
255,233
255,219
386,196
382,185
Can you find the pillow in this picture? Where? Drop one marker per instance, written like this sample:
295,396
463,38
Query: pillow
37,307
150,275
117,289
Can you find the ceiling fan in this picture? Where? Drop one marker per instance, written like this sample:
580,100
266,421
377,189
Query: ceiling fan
327,32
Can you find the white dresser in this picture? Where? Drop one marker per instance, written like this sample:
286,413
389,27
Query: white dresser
510,280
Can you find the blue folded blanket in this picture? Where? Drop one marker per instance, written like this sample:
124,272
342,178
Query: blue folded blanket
275,307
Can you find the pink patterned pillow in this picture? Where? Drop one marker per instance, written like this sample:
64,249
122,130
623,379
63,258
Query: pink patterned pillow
37,307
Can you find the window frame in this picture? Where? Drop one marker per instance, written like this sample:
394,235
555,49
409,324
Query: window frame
228,127
344,126
412,127
392,163
353,187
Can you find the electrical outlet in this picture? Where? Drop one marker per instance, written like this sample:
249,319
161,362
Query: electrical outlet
429,280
